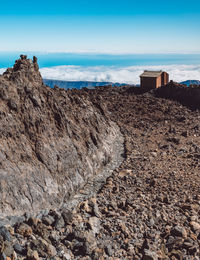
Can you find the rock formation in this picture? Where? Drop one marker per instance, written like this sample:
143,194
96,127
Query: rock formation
189,96
52,141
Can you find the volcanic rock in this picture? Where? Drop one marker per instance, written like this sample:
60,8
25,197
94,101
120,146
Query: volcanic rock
52,141
111,173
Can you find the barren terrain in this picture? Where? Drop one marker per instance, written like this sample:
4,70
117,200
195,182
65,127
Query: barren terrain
149,206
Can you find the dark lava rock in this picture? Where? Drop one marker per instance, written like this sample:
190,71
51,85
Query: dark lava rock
67,216
59,223
19,249
179,231
48,220
5,234
109,250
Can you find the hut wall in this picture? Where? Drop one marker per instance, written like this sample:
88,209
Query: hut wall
148,83
158,81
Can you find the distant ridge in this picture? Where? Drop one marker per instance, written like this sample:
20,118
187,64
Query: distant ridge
78,84
190,82
92,84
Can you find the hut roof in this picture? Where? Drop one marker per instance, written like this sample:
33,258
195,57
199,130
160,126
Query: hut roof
151,74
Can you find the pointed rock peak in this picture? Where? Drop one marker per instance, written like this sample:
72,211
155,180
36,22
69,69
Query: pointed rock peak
24,70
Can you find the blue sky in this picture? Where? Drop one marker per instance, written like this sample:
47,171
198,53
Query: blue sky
120,26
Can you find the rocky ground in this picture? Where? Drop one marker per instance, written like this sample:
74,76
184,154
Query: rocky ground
149,208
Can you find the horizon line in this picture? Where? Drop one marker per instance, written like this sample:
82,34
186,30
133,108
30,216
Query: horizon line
101,52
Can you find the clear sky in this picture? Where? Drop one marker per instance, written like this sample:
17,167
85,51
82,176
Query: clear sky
112,26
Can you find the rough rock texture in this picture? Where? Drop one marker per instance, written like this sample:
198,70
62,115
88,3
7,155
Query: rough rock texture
52,141
148,208
189,96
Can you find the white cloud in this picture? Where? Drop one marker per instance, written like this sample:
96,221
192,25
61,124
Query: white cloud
129,74
121,74
2,71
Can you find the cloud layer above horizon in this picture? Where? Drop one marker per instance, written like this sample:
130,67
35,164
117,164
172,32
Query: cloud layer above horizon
128,75
113,74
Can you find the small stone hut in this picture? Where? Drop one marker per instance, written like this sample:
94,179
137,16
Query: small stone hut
153,79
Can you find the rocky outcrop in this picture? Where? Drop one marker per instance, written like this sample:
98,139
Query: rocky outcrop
189,96
52,141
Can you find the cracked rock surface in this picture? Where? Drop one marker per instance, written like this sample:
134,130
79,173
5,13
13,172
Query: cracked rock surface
52,141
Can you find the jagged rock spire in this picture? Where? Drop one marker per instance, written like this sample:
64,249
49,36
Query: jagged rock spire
24,70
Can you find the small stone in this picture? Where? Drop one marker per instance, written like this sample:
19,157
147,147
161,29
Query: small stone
85,206
77,219
109,250
151,222
167,229
193,218
79,249
123,228
32,221
32,255
164,154
67,256
59,223
48,220
124,173
94,224
51,250
11,230
5,233
166,199
12,105
195,226
36,100
154,154
90,242
19,249
24,230
109,182
14,256
97,253
23,57
149,255
187,245
186,207
8,249
95,208
184,133
176,254
67,216
3,256
179,232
